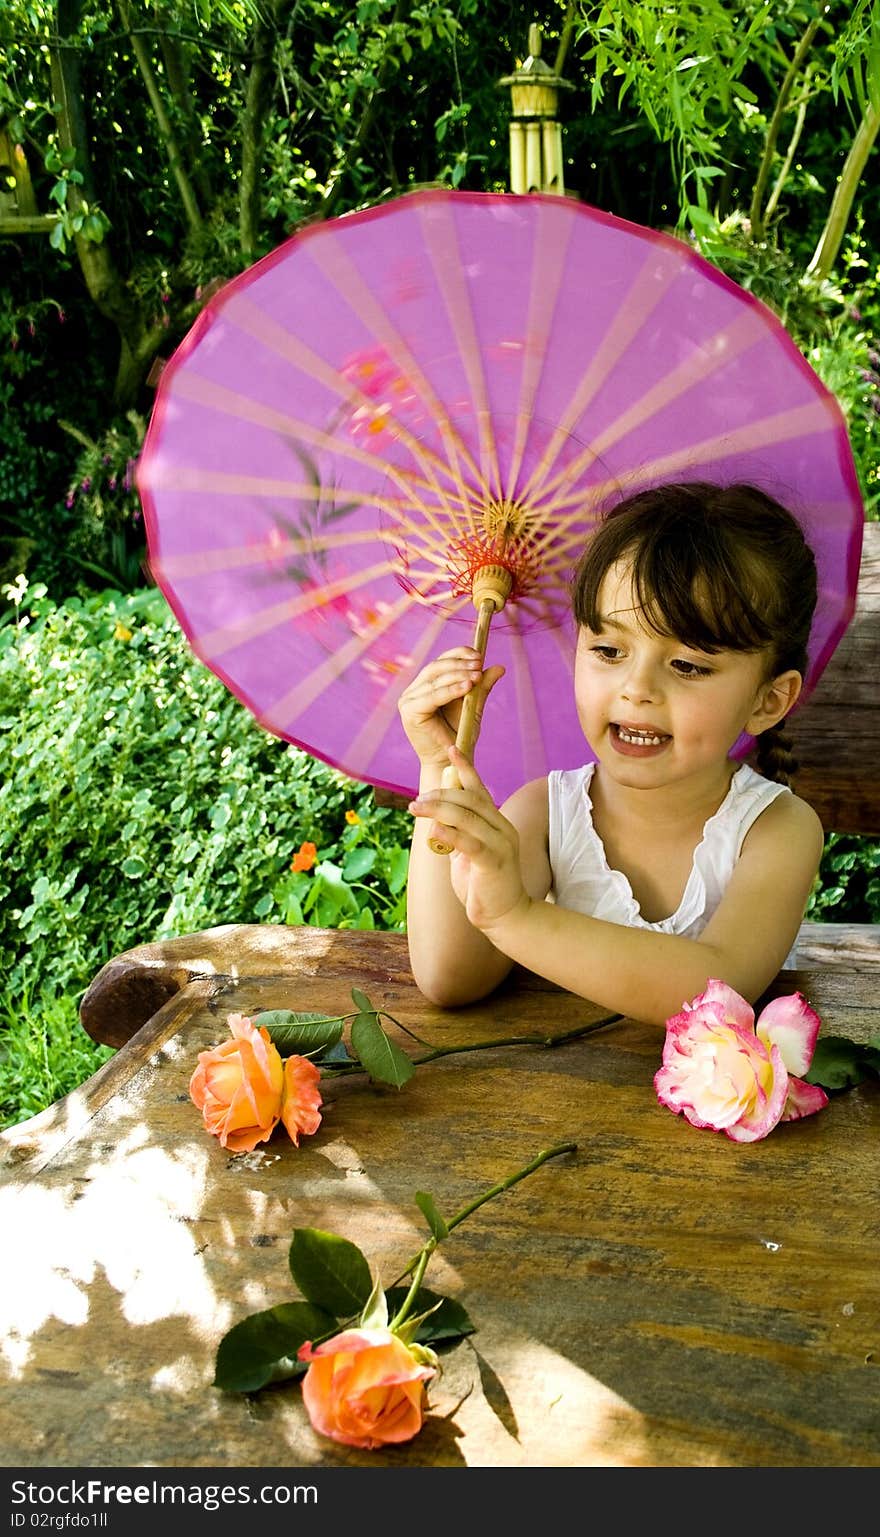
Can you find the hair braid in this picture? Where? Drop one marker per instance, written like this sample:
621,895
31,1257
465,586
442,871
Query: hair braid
774,757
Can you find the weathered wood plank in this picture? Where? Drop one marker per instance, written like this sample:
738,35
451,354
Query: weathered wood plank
129,989
837,732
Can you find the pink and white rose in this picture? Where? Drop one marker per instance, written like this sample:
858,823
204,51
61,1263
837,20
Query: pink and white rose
725,1071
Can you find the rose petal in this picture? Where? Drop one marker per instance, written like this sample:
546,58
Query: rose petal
792,1025
768,1109
803,1099
735,1010
300,1098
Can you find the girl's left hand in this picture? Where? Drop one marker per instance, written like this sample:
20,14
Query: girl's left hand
484,865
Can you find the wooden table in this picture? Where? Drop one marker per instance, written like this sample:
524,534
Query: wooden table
662,1297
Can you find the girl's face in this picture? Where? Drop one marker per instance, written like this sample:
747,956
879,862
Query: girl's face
653,710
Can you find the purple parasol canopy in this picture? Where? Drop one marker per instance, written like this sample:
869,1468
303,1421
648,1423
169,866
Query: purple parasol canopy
395,398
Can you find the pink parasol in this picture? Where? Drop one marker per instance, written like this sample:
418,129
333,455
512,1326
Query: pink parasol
406,414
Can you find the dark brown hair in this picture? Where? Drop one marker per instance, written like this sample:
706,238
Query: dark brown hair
718,568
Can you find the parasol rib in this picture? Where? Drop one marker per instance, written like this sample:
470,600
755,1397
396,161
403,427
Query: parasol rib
545,282
251,320
771,432
368,739
206,392
658,272
284,712
697,369
215,643
441,242
353,291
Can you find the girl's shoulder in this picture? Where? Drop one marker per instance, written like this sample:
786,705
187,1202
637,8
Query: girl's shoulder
527,809
788,817
528,805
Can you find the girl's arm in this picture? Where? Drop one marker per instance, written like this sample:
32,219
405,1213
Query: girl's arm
452,961
634,971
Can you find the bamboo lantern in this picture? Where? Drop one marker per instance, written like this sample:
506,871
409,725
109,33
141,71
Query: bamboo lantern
535,134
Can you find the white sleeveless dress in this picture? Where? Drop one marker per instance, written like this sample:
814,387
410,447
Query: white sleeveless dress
584,881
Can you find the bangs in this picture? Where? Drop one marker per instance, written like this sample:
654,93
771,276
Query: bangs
684,595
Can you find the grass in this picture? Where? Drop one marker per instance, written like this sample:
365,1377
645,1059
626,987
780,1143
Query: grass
44,1054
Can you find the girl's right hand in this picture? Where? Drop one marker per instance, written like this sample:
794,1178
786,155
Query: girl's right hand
430,707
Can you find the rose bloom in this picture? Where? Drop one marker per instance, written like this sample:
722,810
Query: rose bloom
243,1089
366,1388
724,1071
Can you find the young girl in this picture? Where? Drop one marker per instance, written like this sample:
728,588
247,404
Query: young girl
633,880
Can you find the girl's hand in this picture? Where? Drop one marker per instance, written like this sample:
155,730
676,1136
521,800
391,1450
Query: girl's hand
430,707
484,863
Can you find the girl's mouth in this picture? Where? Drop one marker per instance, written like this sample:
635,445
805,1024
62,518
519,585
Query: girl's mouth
637,741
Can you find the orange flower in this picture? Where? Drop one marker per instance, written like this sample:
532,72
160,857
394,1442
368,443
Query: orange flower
305,858
238,1087
243,1089
352,818
300,1099
366,1388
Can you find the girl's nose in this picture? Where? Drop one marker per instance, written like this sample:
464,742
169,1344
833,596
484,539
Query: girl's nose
641,684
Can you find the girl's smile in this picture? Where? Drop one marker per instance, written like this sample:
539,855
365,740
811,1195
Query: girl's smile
637,741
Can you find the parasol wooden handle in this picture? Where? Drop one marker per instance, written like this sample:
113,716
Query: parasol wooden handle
491,588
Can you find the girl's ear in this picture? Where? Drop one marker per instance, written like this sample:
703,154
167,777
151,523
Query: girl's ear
774,700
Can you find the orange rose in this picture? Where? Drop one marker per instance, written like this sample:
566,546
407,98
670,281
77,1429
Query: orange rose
365,1387
243,1089
300,1098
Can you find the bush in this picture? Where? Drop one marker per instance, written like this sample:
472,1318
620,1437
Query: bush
141,801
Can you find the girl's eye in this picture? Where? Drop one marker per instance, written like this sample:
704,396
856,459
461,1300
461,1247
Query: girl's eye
687,669
606,653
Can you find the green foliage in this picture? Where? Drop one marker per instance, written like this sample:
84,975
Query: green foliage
836,326
839,1063
140,800
107,538
847,887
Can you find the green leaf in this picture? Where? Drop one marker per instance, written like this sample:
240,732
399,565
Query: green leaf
361,1001
382,1059
330,1271
263,1347
302,1033
700,219
839,1063
133,866
447,1319
429,1211
358,864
